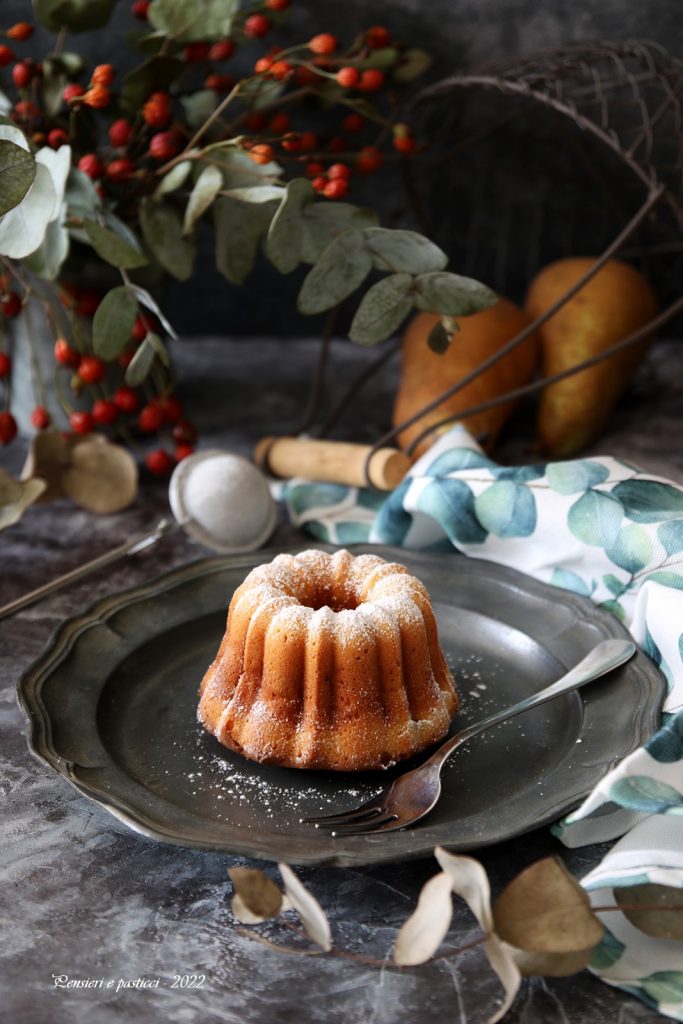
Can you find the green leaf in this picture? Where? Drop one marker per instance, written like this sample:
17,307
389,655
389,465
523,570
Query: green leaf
643,793
173,179
47,260
17,171
23,228
649,501
384,307
413,63
323,222
438,339
569,580
670,536
159,348
403,251
162,230
113,323
451,503
452,295
239,227
613,584
667,578
239,171
189,20
74,15
156,73
614,608
384,57
140,364
199,106
632,549
579,475
206,188
145,299
257,193
665,987
112,248
341,268
506,509
595,518
283,242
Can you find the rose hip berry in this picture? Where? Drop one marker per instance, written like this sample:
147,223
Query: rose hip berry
323,43
165,145
159,461
256,26
119,170
104,411
8,427
120,132
103,74
196,53
91,165
377,36
73,91
320,183
142,326
371,80
404,144
277,5
353,123
219,83
126,400
57,137
23,74
140,8
65,354
157,110
369,160
261,154
339,171
20,32
183,451
40,417
91,369
348,77
171,408
81,422
184,432
222,50
11,305
98,97
336,189
150,418
5,365
6,56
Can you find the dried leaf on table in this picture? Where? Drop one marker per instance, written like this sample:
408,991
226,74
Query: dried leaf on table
312,915
257,897
47,459
650,908
100,477
425,930
16,496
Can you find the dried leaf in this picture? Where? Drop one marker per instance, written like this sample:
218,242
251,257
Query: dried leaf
16,496
550,965
469,880
312,915
256,895
545,910
47,459
653,917
101,477
426,928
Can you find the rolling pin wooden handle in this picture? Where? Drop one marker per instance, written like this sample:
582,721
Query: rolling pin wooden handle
334,462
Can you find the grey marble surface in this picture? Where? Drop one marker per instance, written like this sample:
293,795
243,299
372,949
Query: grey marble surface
83,897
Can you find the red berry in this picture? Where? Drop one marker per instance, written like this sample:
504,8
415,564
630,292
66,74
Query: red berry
65,354
57,137
91,165
142,326
196,53
314,169
87,301
348,77
320,183
263,65
377,36
353,123
98,97
280,124
222,50
183,451
323,43
81,422
26,110
369,160
21,31
336,189
11,305
159,462
103,74
91,369
219,83
119,170
256,26
404,143
126,399
140,8
72,91
8,427
104,411
40,417
5,365
184,432
150,418
261,154
277,5
165,145
281,70
157,110
339,171
306,76
22,74
171,408
371,80
120,132
6,56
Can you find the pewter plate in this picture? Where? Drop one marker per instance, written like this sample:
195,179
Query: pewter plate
111,706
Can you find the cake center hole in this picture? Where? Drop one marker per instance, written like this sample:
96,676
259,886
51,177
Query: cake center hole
339,599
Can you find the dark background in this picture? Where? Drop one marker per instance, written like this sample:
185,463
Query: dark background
502,249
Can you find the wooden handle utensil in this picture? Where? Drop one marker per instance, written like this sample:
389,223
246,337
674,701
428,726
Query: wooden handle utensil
335,462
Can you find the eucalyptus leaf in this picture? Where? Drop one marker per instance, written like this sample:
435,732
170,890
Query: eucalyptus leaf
47,260
58,164
162,230
341,268
22,229
17,171
383,57
140,364
112,248
100,477
74,15
199,106
384,307
174,179
206,188
413,63
47,457
239,171
323,222
283,242
156,73
403,251
312,915
16,496
145,299
452,295
82,201
257,193
650,908
113,323
257,893
239,227
189,20
426,928
159,348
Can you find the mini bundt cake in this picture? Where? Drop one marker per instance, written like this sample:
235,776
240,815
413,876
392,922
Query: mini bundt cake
329,661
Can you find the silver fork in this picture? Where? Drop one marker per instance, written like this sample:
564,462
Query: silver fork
413,795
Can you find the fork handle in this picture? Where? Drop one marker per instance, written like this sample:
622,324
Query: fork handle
606,656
